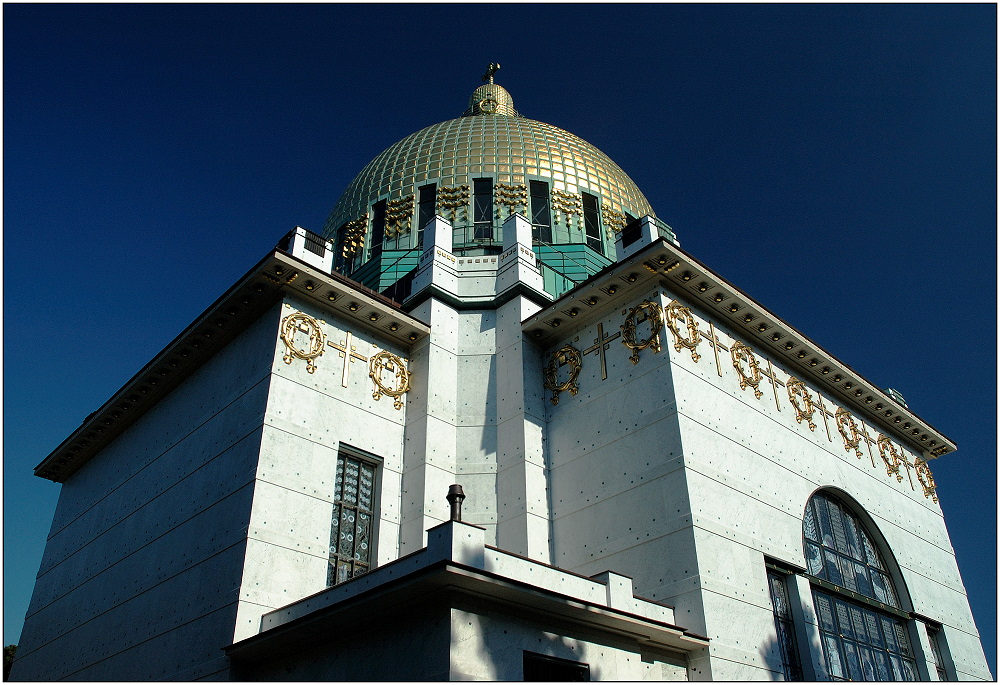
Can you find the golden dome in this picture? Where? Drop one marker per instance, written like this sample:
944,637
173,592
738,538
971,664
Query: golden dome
490,140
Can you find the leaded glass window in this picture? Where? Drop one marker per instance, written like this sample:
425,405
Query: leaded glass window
353,522
541,216
863,638
860,643
840,551
933,636
784,626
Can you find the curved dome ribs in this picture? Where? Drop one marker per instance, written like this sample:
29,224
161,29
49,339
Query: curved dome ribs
573,192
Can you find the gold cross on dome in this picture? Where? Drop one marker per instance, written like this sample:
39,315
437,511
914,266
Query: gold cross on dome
490,70
601,345
349,352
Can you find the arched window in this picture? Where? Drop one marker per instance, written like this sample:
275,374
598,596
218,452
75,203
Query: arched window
863,632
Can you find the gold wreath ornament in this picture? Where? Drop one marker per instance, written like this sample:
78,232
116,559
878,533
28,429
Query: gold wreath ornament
561,357
926,478
302,323
654,315
387,361
742,353
674,313
890,456
848,431
797,390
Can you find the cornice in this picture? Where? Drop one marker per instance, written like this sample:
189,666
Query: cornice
665,265
277,275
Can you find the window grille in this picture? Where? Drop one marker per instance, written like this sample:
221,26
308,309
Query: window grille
353,524
784,626
315,244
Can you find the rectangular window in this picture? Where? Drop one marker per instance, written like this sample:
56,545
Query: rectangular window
933,636
860,643
352,530
541,219
542,668
378,228
426,209
482,208
592,222
783,625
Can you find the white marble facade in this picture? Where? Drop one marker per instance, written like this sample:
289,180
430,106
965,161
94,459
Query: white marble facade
211,514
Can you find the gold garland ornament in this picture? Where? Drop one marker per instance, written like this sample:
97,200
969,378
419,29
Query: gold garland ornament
890,456
398,214
926,478
513,197
387,361
569,204
302,323
613,220
740,353
353,240
676,312
797,390
561,357
652,313
848,431
453,197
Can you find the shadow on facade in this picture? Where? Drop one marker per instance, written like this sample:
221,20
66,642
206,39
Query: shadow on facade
786,654
487,645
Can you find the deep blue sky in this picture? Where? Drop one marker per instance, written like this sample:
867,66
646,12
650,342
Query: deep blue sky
836,162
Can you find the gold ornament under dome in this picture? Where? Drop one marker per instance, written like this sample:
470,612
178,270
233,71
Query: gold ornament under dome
492,140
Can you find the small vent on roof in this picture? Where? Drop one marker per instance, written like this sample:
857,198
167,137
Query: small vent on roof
895,394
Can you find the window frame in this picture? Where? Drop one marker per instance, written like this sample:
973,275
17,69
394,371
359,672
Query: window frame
483,230
592,219
334,555
542,660
379,210
935,637
791,660
422,219
539,231
851,515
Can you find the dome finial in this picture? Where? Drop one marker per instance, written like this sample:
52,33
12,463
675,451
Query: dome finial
491,98
490,70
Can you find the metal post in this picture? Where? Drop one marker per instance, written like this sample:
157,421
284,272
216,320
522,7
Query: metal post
455,497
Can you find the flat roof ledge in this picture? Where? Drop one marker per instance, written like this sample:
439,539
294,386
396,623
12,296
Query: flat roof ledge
457,559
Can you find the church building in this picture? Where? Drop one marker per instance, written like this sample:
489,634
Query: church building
493,422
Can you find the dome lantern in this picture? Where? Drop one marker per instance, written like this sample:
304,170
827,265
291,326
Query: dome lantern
490,98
